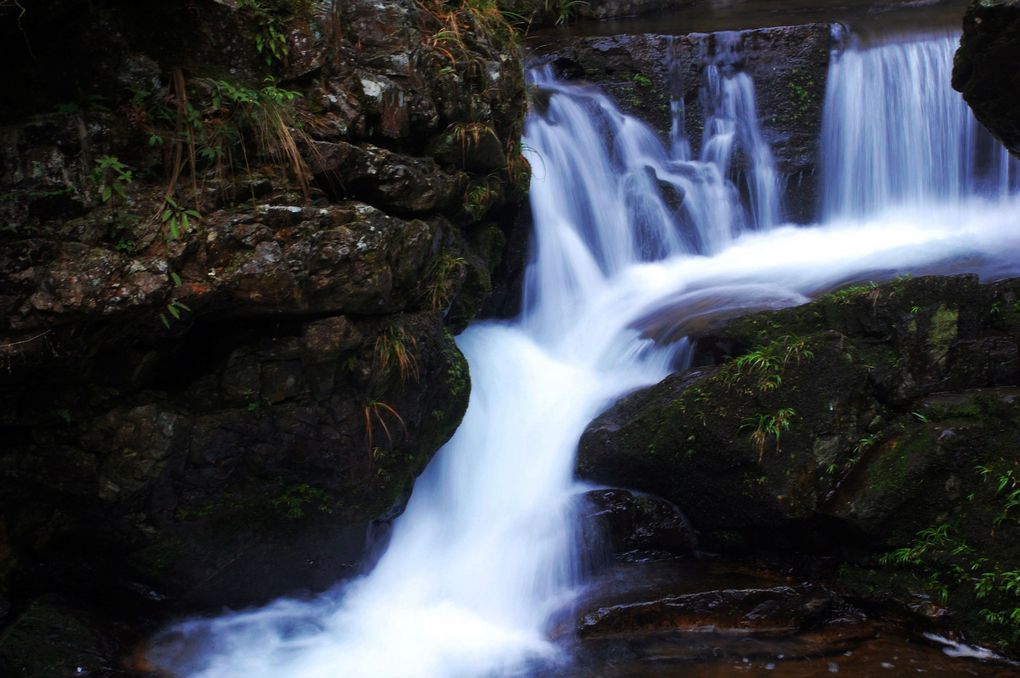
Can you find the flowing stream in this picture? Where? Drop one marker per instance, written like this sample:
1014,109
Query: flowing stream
625,226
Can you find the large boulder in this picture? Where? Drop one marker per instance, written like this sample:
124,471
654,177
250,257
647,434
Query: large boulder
235,241
984,69
877,418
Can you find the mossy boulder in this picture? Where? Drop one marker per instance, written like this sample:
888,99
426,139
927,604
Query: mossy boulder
862,423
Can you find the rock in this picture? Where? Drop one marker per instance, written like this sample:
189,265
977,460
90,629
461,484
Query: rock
645,73
864,420
49,639
780,610
991,38
542,13
233,342
637,526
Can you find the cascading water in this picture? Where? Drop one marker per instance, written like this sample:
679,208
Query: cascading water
895,133
625,230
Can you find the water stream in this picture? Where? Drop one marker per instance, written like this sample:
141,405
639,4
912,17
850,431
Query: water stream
625,224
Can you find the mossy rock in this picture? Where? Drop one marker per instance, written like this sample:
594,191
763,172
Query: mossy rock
50,640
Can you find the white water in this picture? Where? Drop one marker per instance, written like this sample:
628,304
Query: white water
485,551
897,133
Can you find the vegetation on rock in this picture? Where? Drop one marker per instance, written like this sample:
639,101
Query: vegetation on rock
878,422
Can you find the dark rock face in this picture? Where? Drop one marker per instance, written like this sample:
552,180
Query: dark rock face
231,259
644,73
871,418
983,70
545,13
637,526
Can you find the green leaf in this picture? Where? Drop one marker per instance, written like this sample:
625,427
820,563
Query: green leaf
176,277
107,193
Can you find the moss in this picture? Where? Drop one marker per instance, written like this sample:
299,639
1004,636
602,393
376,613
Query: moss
157,559
942,333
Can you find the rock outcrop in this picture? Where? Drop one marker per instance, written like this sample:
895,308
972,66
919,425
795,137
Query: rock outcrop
983,70
235,239
875,420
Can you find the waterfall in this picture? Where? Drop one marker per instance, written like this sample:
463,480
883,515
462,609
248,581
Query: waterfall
895,132
627,229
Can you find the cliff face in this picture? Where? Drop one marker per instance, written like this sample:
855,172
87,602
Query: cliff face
234,240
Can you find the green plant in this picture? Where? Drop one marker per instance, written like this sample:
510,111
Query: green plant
396,347
642,80
271,38
1008,487
768,425
444,274
764,364
847,294
564,10
296,498
174,310
112,177
178,219
449,27
479,198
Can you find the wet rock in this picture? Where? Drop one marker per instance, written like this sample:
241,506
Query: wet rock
541,13
638,524
782,610
49,639
861,420
991,38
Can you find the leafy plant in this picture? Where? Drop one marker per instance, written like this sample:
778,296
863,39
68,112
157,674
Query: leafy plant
271,39
112,176
642,80
178,219
173,309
